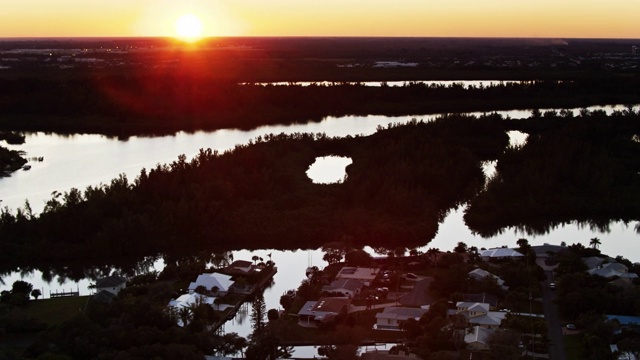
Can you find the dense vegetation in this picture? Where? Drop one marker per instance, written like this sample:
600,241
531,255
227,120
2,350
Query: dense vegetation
402,182
122,105
582,168
10,160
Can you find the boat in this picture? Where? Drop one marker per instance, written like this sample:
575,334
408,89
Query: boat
26,167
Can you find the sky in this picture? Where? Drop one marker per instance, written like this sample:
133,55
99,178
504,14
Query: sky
439,18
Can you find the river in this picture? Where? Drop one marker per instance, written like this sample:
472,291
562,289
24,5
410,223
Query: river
83,160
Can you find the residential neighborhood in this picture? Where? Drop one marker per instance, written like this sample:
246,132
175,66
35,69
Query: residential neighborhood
446,304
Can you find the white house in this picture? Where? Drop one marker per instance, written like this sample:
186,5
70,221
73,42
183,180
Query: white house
478,314
391,317
112,284
216,283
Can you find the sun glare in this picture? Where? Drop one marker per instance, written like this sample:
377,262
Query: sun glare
189,28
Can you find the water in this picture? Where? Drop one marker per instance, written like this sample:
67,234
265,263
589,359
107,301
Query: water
329,169
464,83
82,160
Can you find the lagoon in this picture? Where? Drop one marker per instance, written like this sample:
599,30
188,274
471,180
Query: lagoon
83,160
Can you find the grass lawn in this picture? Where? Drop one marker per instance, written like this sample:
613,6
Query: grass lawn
572,346
56,310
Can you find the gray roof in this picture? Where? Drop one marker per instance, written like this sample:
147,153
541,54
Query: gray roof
593,261
479,334
104,296
346,284
401,313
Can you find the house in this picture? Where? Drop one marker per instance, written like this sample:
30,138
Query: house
478,314
481,274
478,338
347,287
364,275
599,266
391,317
189,300
500,254
215,283
482,297
113,284
470,309
314,313
241,267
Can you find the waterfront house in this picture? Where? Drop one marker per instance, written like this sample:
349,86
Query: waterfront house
325,310
344,287
391,317
240,267
364,275
112,284
215,283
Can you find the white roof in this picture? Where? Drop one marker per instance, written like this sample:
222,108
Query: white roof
481,274
222,281
188,299
500,253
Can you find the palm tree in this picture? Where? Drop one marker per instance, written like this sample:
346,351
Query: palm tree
217,301
595,243
185,314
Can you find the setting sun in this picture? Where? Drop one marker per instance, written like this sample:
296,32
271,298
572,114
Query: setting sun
189,28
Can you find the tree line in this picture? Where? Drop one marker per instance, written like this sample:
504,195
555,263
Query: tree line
580,168
128,104
403,181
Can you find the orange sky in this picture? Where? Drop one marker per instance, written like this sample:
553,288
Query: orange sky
476,18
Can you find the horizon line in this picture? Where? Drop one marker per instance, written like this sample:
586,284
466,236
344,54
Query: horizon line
169,37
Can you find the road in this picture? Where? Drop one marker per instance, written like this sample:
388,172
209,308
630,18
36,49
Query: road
556,349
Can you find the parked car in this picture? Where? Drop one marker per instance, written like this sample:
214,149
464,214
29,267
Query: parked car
410,276
571,327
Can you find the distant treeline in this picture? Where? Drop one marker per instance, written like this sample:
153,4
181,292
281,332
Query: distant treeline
584,168
403,181
10,161
122,105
